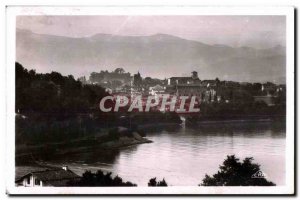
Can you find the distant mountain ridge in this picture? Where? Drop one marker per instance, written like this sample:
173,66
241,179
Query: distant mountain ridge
158,55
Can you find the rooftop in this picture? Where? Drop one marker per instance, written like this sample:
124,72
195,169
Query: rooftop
55,177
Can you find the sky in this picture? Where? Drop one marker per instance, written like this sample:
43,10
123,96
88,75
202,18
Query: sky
235,31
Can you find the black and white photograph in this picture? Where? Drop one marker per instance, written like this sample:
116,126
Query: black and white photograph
150,100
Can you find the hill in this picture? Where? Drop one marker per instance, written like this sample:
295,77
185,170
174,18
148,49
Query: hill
149,55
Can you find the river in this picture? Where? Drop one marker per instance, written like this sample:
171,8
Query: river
184,156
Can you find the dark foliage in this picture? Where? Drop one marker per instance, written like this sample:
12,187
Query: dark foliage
154,183
100,179
55,108
53,93
241,108
237,111
236,173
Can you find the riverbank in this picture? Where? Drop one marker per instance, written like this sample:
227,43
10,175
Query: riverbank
26,154
202,120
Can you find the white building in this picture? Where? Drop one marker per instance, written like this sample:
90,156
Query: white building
49,177
155,90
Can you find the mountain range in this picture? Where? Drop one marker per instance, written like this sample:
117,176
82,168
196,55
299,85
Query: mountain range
159,56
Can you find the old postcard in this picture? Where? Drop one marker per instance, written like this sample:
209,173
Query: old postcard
150,100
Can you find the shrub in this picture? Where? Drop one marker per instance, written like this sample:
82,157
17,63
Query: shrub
100,179
236,173
154,183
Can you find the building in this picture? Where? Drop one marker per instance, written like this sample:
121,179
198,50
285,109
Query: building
189,90
269,88
193,86
185,86
155,90
113,80
209,83
126,89
210,95
232,84
50,178
190,80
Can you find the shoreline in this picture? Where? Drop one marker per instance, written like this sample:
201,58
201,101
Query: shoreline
27,153
236,119
37,151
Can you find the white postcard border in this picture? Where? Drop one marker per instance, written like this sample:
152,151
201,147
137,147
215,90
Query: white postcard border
13,11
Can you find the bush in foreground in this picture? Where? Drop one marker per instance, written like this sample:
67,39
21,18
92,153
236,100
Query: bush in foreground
236,173
232,173
100,179
154,183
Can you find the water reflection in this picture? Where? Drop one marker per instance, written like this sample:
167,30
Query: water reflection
184,155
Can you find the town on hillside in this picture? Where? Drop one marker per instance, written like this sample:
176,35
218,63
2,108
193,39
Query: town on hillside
119,82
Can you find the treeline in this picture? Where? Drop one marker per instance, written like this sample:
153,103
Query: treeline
42,129
242,108
232,172
53,93
118,73
240,102
55,108
101,179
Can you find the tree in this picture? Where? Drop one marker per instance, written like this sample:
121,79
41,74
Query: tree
236,173
137,80
53,92
217,82
119,71
154,183
99,179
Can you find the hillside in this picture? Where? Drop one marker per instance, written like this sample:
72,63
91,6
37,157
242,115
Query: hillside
149,55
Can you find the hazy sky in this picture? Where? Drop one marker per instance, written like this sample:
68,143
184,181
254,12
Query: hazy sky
253,31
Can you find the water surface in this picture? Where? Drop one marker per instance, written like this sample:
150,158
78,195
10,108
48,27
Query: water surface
184,156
